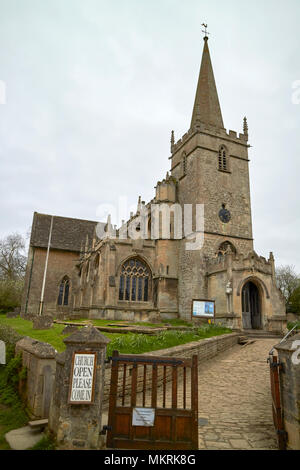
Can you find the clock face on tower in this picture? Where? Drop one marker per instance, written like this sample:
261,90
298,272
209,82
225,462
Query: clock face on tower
224,215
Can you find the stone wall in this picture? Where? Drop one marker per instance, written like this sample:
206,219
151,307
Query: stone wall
289,357
39,360
43,363
205,349
61,263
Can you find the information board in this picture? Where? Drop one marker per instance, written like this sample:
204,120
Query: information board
82,378
203,308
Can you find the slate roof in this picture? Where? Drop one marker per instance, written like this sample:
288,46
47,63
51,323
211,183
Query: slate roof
67,233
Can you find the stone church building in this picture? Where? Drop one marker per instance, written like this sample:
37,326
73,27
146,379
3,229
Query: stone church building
143,277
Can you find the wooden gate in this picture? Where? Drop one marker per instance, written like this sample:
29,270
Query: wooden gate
275,367
153,403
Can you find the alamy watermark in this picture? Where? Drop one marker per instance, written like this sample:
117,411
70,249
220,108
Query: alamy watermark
156,221
2,92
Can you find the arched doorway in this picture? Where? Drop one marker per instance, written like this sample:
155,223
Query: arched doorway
251,306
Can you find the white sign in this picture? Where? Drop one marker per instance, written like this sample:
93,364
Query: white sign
2,92
203,308
2,353
143,416
82,379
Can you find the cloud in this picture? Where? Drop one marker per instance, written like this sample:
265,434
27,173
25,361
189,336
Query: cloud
94,88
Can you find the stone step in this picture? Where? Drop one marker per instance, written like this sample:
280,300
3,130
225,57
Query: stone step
23,438
262,334
246,334
38,423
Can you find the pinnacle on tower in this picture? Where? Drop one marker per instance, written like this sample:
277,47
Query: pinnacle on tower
245,127
172,141
207,108
139,205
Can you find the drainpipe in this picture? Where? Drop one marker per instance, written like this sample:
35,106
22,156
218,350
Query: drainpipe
45,270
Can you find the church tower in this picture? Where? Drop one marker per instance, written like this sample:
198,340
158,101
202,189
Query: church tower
211,167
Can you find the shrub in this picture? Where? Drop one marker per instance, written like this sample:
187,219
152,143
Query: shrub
9,335
10,294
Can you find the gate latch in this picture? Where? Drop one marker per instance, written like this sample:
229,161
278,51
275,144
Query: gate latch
105,429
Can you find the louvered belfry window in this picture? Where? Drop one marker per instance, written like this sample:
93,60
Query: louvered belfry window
134,281
223,162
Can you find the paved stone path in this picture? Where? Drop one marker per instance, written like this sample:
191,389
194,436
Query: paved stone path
235,409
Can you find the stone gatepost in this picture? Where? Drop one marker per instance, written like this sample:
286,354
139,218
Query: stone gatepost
76,407
289,356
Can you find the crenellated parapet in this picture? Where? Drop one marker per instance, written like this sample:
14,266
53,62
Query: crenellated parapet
251,262
166,190
240,138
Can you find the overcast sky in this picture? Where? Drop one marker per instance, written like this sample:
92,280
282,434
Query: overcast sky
94,88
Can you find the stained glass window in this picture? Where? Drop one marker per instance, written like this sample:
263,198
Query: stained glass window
64,289
134,281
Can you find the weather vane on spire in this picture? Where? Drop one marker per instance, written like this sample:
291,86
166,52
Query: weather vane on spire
205,32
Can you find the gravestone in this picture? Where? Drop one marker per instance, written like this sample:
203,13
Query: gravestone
42,322
14,314
2,353
69,329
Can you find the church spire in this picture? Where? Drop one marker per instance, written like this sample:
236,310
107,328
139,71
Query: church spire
207,107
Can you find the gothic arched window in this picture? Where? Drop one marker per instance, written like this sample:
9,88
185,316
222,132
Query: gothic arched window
64,290
223,160
135,281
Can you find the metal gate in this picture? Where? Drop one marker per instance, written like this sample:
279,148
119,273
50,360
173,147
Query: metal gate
153,403
275,368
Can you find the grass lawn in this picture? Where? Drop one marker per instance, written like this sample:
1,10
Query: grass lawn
24,328
104,322
138,343
128,343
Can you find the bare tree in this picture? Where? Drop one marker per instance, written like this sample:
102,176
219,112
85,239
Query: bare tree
12,258
287,281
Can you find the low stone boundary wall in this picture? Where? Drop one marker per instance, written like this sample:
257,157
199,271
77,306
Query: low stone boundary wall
205,349
39,360
289,377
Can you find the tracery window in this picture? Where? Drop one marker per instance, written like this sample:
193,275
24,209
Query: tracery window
223,161
135,281
64,290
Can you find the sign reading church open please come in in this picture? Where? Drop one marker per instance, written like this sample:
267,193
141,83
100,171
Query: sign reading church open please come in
82,381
